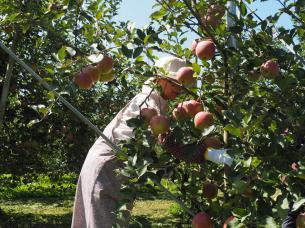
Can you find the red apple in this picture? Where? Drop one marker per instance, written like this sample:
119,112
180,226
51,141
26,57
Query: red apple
159,124
210,190
203,120
295,166
185,76
105,66
300,222
213,142
205,49
202,220
192,107
194,45
210,20
270,69
148,113
216,10
228,221
83,80
93,72
180,113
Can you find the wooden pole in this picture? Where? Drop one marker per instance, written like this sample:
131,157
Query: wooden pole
7,81
115,148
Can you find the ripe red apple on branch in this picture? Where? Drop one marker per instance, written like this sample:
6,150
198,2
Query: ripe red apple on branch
202,220
159,124
205,49
148,113
192,107
213,15
270,69
180,113
194,45
203,120
185,76
83,80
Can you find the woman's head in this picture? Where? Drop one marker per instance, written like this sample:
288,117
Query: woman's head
169,87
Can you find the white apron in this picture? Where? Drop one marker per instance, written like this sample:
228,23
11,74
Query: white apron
98,187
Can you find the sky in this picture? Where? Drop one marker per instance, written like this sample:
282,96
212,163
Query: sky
138,11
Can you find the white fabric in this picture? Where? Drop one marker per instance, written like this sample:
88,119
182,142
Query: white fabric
218,156
170,64
118,129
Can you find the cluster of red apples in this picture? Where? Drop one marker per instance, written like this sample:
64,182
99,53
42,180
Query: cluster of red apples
103,72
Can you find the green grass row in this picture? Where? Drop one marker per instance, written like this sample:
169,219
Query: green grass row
58,212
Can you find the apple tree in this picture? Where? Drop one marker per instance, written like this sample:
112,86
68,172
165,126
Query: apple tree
252,95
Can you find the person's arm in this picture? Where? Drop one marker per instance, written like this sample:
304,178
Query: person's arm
196,152
193,153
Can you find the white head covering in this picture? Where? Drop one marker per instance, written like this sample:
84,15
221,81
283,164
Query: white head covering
170,64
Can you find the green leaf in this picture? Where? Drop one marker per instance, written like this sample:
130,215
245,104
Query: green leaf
157,15
137,52
62,53
298,204
32,122
233,130
270,223
127,52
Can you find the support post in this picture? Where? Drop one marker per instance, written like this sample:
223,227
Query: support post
115,148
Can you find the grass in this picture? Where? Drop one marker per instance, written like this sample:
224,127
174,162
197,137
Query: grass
45,213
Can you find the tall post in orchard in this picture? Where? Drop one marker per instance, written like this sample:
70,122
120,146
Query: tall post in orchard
231,12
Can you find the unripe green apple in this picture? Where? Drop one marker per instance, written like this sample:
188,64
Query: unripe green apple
203,120
185,76
202,220
159,124
107,77
105,66
205,49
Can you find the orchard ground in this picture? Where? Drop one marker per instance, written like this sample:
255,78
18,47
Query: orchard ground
40,201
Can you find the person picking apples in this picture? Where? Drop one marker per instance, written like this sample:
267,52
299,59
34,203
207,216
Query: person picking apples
98,187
